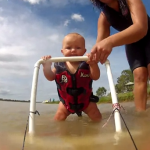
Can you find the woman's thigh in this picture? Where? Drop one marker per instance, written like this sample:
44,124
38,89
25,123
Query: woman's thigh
136,55
147,48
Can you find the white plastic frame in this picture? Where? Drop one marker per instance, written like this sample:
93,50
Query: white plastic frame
62,59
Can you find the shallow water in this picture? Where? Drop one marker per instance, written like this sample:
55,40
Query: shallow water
73,134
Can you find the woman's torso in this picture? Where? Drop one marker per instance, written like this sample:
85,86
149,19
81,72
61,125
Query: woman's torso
119,20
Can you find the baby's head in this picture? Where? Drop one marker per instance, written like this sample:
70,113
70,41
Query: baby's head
73,45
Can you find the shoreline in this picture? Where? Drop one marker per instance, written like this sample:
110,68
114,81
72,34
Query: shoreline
10,100
57,102
24,101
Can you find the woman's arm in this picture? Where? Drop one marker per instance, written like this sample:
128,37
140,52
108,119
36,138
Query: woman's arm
136,31
103,30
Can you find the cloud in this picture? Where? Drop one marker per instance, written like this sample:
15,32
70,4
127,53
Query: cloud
77,17
28,36
14,69
4,92
66,22
9,58
74,17
54,37
25,39
34,1
58,3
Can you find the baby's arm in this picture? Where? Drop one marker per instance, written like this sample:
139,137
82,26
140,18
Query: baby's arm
94,71
94,68
48,72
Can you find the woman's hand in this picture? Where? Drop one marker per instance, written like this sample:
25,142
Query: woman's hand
101,50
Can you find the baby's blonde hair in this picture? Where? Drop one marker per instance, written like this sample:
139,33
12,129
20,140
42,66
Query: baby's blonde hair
75,34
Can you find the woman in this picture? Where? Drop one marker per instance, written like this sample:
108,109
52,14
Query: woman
129,17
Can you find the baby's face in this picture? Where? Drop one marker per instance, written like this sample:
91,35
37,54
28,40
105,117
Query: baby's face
73,45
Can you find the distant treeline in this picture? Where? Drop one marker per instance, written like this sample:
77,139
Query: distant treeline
14,100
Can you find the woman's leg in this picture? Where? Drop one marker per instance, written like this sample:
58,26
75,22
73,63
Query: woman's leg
148,71
140,88
136,55
142,58
62,113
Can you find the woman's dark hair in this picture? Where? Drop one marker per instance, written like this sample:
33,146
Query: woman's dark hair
97,3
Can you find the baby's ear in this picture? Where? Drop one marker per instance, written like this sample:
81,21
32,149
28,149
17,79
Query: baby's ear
61,50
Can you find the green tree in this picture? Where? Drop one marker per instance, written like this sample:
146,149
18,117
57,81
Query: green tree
118,88
101,91
126,76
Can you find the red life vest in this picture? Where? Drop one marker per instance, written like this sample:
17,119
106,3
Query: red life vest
74,90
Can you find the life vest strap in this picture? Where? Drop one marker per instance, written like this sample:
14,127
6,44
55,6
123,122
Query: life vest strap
76,91
76,107
94,98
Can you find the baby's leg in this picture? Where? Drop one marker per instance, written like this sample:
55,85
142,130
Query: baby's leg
61,113
93,112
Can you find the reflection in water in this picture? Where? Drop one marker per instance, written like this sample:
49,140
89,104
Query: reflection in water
73,134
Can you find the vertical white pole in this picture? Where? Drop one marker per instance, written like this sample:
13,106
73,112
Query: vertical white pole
33,100
114,97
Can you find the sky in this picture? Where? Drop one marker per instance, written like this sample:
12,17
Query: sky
30,29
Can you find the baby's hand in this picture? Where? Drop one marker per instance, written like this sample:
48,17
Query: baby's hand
46,58
91,61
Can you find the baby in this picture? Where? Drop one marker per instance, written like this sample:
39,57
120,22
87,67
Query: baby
74,80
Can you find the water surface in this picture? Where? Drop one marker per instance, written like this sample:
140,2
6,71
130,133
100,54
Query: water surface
73,134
